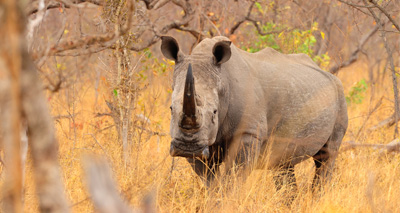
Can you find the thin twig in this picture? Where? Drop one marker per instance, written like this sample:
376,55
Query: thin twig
394,77
33,6
356,5
386,14
237,25
354,55
379,103
97,142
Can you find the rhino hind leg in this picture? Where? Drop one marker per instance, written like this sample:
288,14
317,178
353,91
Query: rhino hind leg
286,180
325,158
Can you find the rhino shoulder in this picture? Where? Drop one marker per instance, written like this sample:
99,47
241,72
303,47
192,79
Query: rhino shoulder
302,59
266,54
268,51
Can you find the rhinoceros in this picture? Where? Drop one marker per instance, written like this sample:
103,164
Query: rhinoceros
263,109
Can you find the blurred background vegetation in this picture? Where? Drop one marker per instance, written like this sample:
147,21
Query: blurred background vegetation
108,88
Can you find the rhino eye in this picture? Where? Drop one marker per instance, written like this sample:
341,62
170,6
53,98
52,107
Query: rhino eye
198,101
215,111
170,107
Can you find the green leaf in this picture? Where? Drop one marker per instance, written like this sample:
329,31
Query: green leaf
115,92
148,54
258,5
322,34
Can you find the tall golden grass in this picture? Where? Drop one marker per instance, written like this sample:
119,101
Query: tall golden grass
362,182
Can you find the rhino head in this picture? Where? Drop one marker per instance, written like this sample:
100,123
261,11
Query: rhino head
199,93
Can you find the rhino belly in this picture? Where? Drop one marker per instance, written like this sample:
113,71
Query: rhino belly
292,144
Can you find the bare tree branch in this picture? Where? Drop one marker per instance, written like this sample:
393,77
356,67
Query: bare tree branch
394,77
261,32
254,22
43,143
97,43
102,188
393,146
355,5
33,6
386,14
103,41
375,5
237,25
388,122
379,103
76,44
354,54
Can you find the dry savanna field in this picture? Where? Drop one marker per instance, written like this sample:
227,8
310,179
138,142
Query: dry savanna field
365,180
108,89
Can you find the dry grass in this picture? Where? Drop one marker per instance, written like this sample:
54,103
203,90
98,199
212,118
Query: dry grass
362,182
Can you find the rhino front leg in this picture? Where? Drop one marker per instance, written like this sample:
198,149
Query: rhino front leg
208,168
204,169
243,153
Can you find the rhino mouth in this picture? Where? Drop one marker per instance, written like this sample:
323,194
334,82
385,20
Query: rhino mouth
181,149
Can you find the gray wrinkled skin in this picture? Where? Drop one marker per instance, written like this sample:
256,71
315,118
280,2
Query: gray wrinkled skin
259,110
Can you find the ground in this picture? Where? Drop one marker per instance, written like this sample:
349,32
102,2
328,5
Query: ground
364,180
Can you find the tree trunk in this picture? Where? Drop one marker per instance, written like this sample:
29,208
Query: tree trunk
11,30
23,96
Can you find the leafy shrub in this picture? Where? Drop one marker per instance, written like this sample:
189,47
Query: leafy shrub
356,94
289,41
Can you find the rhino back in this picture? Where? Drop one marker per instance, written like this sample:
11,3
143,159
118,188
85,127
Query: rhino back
287,95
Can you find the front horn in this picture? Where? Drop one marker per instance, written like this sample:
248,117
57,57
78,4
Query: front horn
189,102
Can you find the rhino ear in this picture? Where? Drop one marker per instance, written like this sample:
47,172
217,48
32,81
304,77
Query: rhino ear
170,48
222,52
